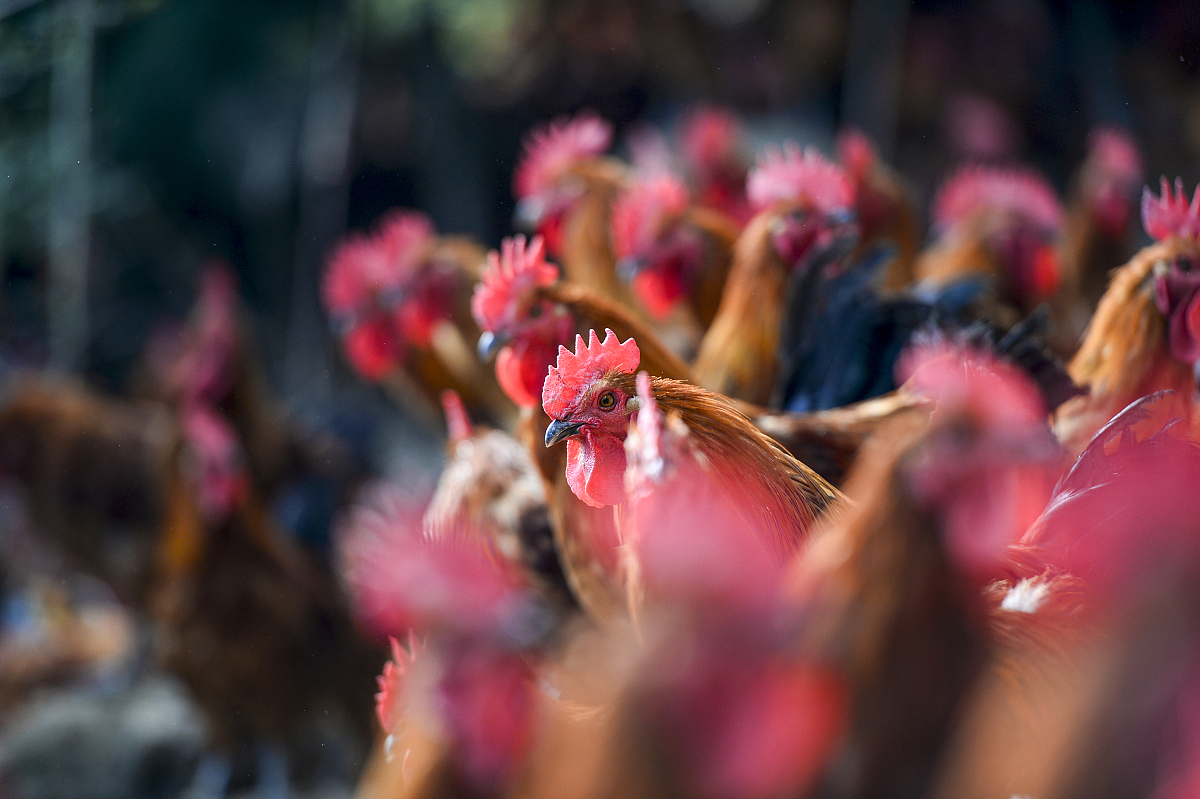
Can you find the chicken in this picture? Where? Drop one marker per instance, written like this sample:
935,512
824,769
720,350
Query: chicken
210,365
490,487
892,595
1098,232
1000,226
804,220
526,316
674,253
1143,336
886,208
399,300
565,189
590,395
173,523
712,146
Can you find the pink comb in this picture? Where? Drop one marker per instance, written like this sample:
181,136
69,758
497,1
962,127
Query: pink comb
509,274
576,371
391,683
551,149
789,173
1171,215
364,265
639,213
458,422
974,189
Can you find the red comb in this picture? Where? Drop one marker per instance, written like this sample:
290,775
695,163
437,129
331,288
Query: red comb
639,213
1018,191
959,376
575,371
391,683
509,274
364,265
856,153
1171,215
789,173
643,446
552,148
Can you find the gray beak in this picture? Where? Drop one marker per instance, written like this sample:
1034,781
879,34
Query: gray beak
528,213
558,430
490,344
629,267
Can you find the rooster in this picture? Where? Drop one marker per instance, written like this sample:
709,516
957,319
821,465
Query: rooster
526,316
674,253
399,300
885,207
590,395
565,189
1098,231
805,219
1143,337
999,226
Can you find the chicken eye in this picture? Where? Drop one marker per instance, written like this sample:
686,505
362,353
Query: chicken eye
1185,265
607,401
535,311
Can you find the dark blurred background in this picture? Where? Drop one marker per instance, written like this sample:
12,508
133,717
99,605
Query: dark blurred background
140,139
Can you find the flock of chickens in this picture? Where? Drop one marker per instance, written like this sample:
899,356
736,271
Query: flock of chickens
760,499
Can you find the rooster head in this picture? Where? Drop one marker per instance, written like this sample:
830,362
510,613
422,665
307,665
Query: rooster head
656,251
521,327
1110,177
546,182
1022,216
590,396
383,292
812,202
985,465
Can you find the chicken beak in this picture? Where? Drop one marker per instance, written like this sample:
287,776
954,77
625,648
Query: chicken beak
630,267
529,213
489,344
560,429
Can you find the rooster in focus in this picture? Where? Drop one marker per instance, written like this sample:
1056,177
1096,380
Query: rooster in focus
399,300
804,221
590,396
1143,337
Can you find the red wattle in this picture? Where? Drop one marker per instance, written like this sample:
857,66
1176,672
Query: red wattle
508,374
372,349
596,469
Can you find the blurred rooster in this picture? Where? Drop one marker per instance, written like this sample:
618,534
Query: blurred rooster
399,299
712,143
674,253
1000,226
1098,234
886,209
1145,333
804,221
565,189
